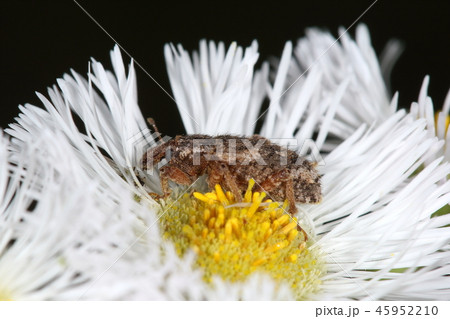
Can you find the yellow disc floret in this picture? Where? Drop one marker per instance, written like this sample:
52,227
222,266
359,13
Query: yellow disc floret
234,240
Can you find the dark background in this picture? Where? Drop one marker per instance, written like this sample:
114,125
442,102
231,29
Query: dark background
41,40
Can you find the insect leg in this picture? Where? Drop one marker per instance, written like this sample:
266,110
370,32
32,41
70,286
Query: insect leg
231,183
174,174
165,181
273,181
289,184
219,173
291,199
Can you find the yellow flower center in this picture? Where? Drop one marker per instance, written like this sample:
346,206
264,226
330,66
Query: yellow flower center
234,240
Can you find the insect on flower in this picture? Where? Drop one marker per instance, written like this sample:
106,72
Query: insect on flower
232,161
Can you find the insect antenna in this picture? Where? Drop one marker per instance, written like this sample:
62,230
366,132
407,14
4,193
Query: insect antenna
151,121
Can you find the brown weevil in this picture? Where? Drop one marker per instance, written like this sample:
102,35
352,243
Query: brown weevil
232,161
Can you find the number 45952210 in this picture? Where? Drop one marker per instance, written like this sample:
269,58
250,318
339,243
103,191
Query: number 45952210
407,310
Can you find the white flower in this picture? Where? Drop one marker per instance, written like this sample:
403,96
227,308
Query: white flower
375,213
366,99
119,254
215,86
437,125
375,217
50,212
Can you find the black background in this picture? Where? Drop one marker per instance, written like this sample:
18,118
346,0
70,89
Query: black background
41,40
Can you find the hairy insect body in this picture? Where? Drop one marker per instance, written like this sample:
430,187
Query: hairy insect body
232,161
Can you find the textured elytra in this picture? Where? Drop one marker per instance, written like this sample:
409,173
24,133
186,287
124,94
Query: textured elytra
232,161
